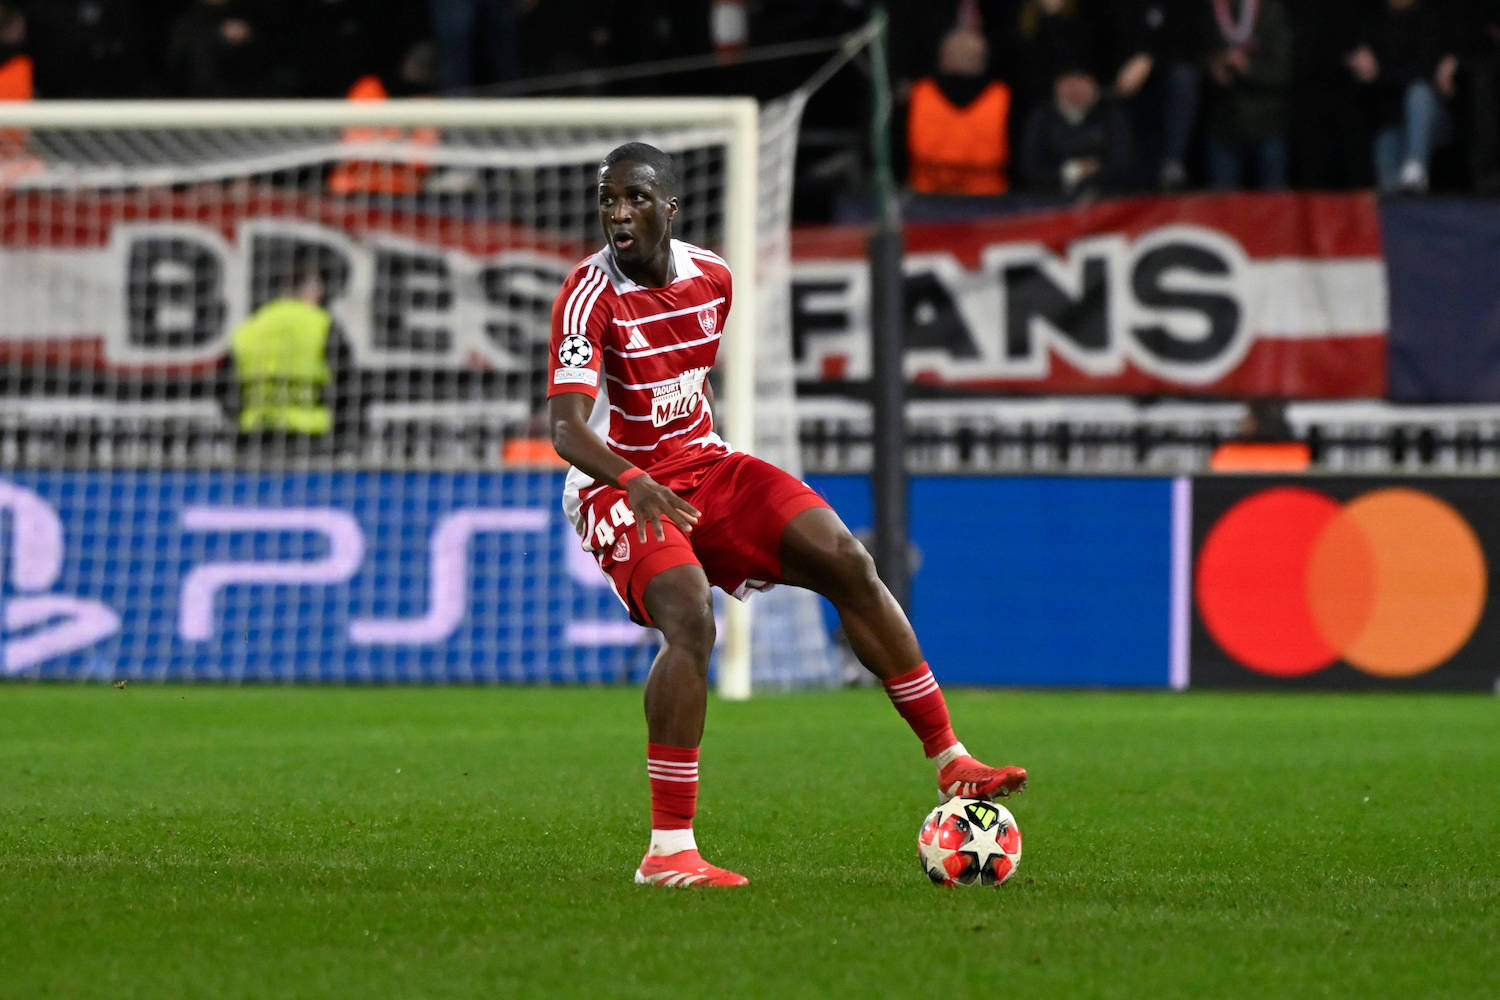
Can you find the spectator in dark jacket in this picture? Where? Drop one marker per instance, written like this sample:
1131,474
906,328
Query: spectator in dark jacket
1054,35
1480,34
328,47
1076,145
1153,59
219,48
1406,62
85,49
1328,130
1250,69
476,42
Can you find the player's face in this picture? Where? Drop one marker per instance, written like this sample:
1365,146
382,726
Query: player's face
635,213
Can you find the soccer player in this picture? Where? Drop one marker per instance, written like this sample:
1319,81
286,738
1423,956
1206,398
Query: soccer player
668,509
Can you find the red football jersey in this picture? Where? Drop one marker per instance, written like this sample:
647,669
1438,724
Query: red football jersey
643,355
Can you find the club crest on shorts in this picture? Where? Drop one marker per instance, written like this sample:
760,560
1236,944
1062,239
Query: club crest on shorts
708,319
575,351
621,550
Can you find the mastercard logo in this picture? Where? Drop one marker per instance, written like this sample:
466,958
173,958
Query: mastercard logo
1290,581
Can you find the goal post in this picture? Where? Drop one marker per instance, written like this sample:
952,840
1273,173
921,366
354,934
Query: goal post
138,234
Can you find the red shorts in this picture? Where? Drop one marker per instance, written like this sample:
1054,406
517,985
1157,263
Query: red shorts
745,505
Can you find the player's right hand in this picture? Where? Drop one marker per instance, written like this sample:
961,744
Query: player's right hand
650,501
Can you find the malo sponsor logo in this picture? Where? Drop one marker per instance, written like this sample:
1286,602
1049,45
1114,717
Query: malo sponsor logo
678,399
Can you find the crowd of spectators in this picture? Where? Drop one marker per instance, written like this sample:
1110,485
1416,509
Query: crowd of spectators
1090,97
317,48
1136,95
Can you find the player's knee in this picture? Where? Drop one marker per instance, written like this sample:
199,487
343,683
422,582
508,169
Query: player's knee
692,628
851,567
684,611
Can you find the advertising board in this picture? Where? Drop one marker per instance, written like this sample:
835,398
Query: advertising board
320,577
1344,583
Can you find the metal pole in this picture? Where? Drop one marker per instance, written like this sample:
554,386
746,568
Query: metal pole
888,396
887,322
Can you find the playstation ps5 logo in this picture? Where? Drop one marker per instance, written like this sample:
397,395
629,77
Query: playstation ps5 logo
36,624
344,538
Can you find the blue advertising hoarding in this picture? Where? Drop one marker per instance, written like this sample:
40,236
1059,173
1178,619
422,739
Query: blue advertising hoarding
384,577
1035,580
324,577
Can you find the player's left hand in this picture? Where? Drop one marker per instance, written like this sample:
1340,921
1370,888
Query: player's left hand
650,501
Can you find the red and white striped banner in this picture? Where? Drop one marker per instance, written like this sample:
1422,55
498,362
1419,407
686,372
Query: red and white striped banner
1232,295
1215,295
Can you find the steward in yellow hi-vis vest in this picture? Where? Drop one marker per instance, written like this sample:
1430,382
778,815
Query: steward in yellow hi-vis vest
280,359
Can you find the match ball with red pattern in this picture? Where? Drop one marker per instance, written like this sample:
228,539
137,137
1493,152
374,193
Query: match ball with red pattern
969,842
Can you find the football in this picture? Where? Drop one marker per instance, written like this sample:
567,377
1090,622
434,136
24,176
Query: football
969,842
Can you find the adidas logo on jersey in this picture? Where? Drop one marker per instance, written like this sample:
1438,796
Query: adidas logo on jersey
637,342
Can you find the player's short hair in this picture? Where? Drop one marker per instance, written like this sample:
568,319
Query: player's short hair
642,152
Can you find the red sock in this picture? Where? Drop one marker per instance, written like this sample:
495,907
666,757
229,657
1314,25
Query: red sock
918,698
674,785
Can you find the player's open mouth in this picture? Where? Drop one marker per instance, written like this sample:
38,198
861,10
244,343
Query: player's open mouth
623,240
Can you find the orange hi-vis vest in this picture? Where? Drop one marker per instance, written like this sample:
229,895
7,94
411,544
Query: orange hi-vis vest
15,79
380,176
15,85
958,150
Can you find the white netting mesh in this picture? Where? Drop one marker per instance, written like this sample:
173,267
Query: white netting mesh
790,643
146,534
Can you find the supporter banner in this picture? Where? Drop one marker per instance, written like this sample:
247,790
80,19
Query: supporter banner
1218,295
312,577
1247,294
1042,581
1344,583
1445,303
159,283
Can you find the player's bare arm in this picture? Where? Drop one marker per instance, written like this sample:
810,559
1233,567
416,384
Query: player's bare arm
578,445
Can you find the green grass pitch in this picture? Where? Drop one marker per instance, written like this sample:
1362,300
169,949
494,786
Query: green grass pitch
185,842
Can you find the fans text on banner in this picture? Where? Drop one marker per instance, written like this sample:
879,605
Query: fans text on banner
1215,295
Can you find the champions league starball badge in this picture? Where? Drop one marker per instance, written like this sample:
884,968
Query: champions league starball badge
575,351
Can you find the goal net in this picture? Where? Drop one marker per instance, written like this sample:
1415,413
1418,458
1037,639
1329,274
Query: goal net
156,524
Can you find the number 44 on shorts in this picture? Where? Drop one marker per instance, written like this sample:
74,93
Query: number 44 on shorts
620,516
